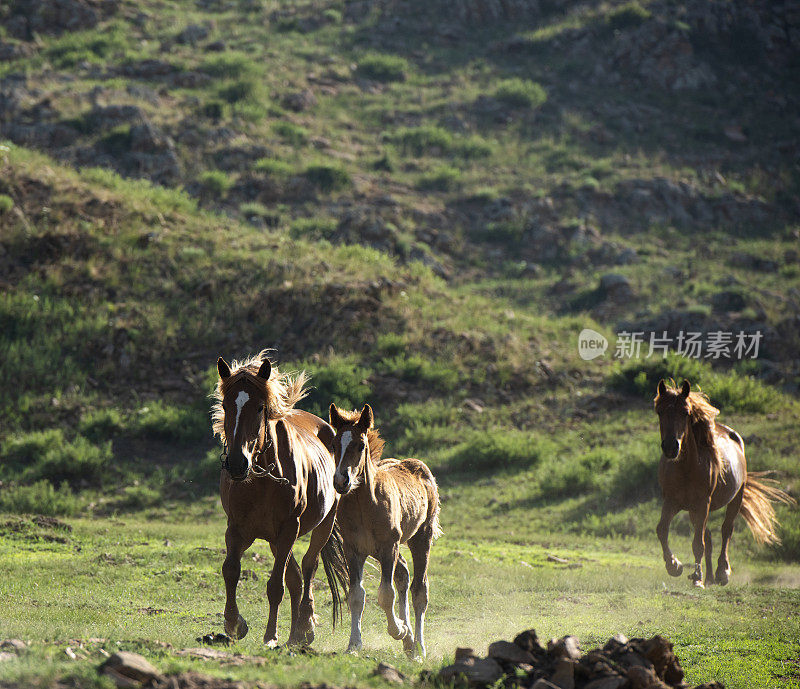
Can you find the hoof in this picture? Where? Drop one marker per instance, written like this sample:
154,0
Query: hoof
674,568
402,633
697,583
238,630
353,649
271,643
723,576
409,645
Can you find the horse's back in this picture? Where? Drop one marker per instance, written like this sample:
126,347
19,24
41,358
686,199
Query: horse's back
415,490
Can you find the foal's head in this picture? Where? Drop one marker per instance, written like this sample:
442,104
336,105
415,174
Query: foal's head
350,447
673,409
244,401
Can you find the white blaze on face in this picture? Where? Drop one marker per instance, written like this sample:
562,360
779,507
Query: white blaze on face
347,436
241,399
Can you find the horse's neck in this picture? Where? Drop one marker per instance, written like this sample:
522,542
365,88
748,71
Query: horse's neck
693,451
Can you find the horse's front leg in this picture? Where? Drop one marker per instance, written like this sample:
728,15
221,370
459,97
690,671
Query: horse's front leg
668,512
699,522
387,559
235,545
275,585
319,537
355,598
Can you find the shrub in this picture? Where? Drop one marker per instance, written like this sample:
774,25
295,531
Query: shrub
628,15
390,344
162,421
232,65
47,455
472,147
328,177
6,203
421,370
385,68
239,90
273,167
215,182
729,391
339,380
213,110
499,450
313,228
443,178
39,498
422,140
101,424
291,133
520,93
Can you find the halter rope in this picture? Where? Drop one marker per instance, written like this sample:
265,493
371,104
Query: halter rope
256,470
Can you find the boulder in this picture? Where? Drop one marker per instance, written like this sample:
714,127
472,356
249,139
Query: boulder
128,669
475,672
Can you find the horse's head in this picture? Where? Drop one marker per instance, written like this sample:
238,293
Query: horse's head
350,446
244,402
673,408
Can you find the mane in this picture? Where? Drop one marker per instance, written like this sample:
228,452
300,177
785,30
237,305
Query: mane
283,390
703,418
376,443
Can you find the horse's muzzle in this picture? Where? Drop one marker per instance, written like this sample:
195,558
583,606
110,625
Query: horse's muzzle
670,448
341,486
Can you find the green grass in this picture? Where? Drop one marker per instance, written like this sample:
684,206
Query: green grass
384,68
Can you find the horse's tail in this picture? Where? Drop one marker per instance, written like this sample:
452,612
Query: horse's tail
336,571
757,509
435,505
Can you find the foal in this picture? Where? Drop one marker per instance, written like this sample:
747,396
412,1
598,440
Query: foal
703,469
385,502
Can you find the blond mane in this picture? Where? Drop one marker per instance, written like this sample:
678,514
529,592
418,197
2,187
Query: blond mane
703,421
283,390
376,443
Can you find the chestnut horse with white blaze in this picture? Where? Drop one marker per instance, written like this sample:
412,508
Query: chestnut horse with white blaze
385,502
276,484
702,469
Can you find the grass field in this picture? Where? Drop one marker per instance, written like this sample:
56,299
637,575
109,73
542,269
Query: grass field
417,203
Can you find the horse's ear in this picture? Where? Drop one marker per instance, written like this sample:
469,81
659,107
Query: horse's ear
223,369
265,370
334,416
662,387
686,388
367,419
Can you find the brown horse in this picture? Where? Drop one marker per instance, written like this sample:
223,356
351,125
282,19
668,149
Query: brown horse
703,469
276,484
385,502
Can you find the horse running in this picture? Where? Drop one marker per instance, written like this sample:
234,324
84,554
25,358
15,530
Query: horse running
276,484
703,469
385,502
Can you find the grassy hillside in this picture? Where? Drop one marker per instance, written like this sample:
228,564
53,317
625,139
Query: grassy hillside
418,203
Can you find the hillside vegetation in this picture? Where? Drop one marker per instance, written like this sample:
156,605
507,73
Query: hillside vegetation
421,204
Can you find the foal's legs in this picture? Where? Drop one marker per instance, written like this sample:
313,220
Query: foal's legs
235,545
420,546
355,599
319,537
275,585
668,512
699,521
401,579
723,573
709,580
387,558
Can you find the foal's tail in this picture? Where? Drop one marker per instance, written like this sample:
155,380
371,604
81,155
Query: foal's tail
336,571
435,505
757,508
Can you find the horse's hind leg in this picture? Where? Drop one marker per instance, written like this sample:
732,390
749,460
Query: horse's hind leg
387,558
235,545
699,521
723,573
401,580
420,546
709,580
668,512
319,537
